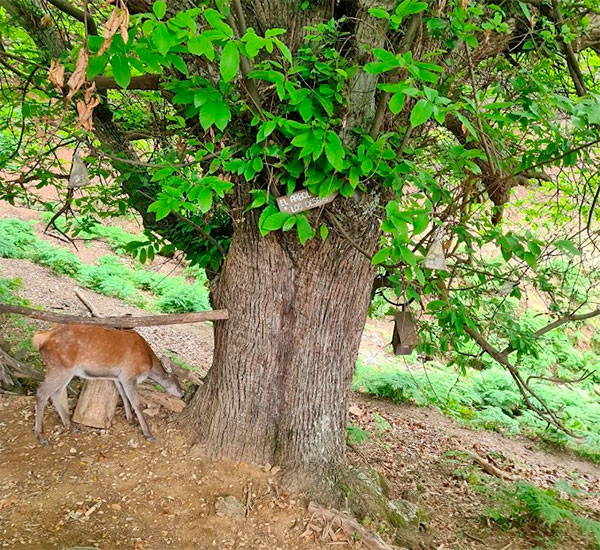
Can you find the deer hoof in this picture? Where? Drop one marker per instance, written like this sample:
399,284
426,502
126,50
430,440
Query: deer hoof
151,439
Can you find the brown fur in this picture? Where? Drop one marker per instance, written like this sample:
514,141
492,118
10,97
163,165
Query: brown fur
98,348
90,351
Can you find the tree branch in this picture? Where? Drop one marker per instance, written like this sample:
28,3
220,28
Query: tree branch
407,41
118,322
572,64
71,10
144,82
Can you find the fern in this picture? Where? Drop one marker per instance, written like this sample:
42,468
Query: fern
523,504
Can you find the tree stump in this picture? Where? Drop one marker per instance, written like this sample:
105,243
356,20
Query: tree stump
97,404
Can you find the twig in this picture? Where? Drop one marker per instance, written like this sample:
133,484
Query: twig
489,468
585,375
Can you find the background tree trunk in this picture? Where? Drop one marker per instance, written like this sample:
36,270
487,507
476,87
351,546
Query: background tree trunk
278,387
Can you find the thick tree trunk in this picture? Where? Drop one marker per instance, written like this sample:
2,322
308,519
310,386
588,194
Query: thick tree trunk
278,387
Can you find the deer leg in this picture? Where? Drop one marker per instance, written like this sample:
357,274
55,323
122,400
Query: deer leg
130,388
47,388
126,405
64,415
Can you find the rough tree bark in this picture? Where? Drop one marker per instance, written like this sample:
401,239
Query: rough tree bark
278,387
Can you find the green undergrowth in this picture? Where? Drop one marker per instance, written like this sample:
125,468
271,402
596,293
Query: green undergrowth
543,515
121,242
16,333
112,276
489,399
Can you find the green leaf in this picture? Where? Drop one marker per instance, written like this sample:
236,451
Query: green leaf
160,9
275,221
324,231
230,61
266,130
421,112
178,63
420,223
396,103
207,114
381,256
306,109
161,37
568,246
334,150
285,51
259,199
379,13
121,70
435,305
305,230
408,256
221,115
289,223
201,45
204,200
96,65
215,20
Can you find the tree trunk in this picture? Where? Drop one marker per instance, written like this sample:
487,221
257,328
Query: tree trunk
278,388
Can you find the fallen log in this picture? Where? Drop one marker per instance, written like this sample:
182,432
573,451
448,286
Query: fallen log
118,322
152,397
17,369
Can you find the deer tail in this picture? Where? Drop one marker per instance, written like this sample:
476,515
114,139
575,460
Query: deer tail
39,339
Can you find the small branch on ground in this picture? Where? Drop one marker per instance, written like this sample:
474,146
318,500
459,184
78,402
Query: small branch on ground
88,304
488,467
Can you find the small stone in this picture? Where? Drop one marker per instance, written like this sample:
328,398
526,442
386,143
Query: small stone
115,506
356,411
73,450
229,506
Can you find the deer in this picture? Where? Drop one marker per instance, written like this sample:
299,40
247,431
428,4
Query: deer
94,352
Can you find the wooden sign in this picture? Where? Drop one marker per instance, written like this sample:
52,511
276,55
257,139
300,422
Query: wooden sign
301,201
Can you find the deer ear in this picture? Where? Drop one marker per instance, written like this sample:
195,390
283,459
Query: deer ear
166,363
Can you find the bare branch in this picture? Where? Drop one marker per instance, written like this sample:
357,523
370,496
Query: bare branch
144,82
71,10
118,322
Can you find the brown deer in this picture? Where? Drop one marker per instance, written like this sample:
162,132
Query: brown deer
95,352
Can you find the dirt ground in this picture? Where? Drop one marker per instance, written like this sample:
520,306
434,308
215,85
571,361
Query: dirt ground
110,489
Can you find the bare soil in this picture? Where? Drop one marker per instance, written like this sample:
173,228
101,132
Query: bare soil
112,490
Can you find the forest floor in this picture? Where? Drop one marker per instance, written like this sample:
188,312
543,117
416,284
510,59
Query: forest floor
110,489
